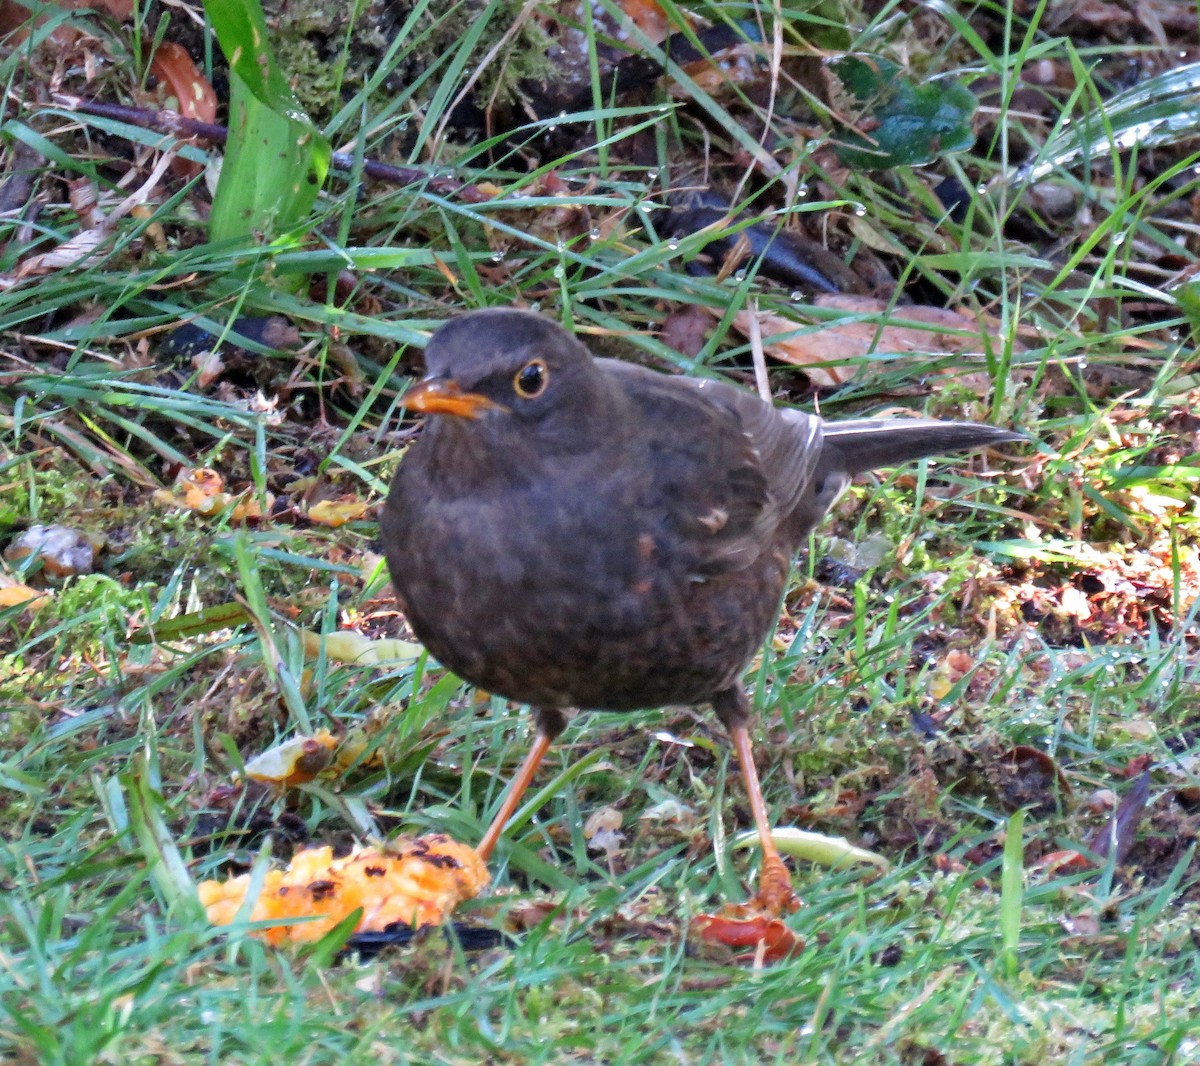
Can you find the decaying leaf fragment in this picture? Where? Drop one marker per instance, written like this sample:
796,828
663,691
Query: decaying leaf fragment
62,552
202,490
294,761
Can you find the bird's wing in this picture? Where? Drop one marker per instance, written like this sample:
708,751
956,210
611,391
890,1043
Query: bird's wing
729,469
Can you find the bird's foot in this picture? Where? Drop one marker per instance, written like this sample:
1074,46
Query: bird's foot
775,893
744,925
757,923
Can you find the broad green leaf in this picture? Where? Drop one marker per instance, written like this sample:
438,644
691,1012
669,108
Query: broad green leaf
275,159
897,122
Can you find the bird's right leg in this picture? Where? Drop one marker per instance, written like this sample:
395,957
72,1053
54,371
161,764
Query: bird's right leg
550,722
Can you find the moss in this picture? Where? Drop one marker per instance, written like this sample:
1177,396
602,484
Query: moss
332,54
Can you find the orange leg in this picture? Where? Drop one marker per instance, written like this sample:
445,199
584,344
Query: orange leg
775,895
756,924
516,790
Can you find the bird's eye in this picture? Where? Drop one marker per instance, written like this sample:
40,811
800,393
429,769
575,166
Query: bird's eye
530,380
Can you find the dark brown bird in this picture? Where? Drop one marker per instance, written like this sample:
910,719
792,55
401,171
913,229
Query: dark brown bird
572,532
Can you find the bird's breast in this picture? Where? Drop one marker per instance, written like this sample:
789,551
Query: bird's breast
571,596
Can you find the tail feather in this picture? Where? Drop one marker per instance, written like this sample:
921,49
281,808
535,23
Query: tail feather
864,444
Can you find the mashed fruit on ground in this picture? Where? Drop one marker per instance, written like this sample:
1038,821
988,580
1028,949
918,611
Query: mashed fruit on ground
411,882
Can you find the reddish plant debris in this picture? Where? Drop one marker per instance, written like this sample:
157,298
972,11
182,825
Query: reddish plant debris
740,926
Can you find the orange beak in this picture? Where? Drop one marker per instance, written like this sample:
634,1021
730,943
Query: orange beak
440,396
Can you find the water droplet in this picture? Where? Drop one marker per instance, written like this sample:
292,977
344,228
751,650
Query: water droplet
796,296
1083,363
981,189
860,210
673,245
802,189
594,233
559,272
652,175
739,275
497,257
645,207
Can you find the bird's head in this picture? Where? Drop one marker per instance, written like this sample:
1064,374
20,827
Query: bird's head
506,367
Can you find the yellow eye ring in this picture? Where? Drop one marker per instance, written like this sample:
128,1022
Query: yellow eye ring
531,380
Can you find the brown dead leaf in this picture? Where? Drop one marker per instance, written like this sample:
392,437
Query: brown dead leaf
648,16
16,21
1176,16
194,96
685,329
1083,926
188,90
1025,776
73,252
914,328
527,914
1098,14
1117,837
807,350
82,246
209,367
17,595
734,66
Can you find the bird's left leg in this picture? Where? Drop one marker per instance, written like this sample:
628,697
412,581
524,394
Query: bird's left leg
756,924
775,895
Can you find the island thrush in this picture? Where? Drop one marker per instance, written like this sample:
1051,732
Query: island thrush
574,532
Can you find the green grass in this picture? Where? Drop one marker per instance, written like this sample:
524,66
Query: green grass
1045,600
